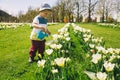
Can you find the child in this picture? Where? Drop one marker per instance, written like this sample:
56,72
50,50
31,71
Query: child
39,32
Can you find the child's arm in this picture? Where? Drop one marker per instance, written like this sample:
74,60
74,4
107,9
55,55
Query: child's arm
38,26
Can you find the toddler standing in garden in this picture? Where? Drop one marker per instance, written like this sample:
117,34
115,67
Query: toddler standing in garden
39,32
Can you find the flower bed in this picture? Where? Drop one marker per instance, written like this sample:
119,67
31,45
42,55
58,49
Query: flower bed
56,63
110,25
12,25
105,62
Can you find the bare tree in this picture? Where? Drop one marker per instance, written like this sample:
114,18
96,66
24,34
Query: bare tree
118,5
105,8
90,6
64,8
85,7
118,10
69,7
61,7
55,14
79,9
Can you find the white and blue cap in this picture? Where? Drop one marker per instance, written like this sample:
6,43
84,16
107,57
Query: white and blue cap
45,6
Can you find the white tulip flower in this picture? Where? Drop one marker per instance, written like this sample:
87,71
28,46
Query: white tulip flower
58,46
67,39
86,39
55,46
41,63
67,59
110,50
49,51
105,51
117,51
96,58
88,30
101,76
92,45
66,35
55,71
108,66
100,48
60,61
118,57
112,58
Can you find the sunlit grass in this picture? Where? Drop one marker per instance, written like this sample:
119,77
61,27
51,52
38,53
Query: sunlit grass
109,34
14,53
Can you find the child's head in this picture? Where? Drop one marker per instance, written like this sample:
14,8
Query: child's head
45,9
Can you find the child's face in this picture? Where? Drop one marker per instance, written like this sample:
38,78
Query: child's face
45,13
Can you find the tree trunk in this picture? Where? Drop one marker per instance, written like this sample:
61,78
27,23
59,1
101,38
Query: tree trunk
89,11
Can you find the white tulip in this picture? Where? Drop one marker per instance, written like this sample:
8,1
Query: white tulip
67,34
67,59
96,58
101,76
117,51
67,39
59,46
55,71
60,61
92,45
49,51
55,46
118,57
41,63
86,39
112,58
100,48
88,30
110,50
105,51
108,66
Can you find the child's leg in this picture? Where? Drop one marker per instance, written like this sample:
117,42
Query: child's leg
33,50
41,49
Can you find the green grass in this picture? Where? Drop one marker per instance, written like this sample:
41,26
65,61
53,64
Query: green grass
110,35
14,50
78,56
15,44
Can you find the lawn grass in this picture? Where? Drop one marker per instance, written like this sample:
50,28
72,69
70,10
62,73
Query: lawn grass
109,34
14,50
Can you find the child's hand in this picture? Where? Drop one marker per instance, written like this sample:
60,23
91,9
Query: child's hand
49,32
43,29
